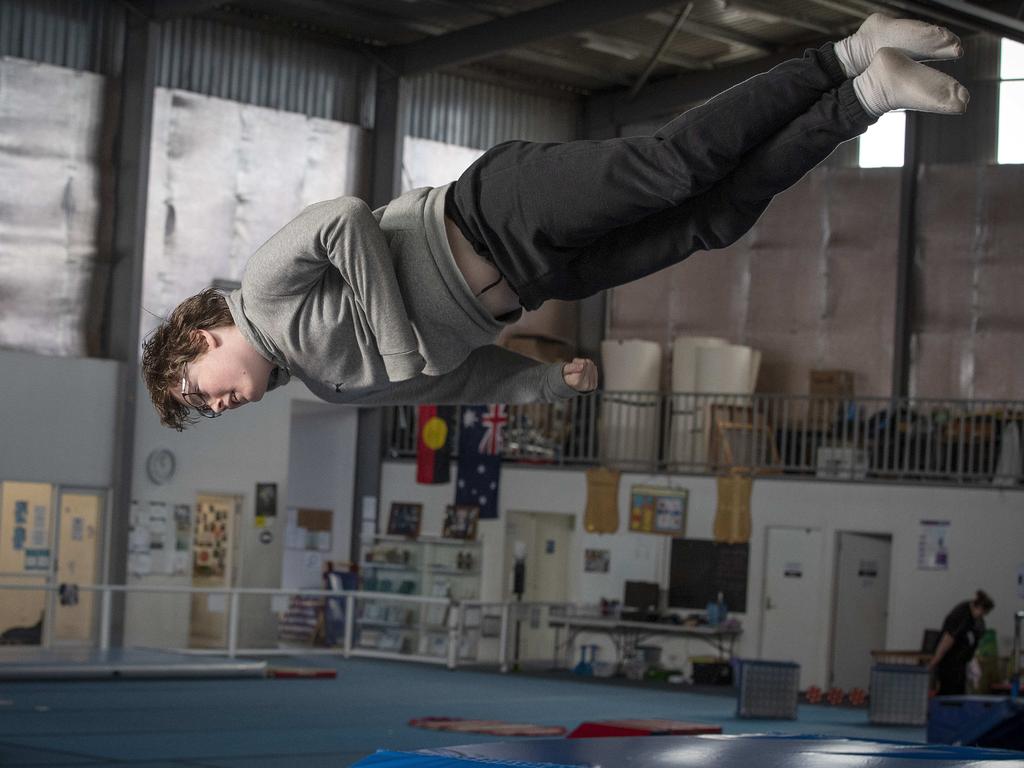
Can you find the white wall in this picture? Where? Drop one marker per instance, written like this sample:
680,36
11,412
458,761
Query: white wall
229,455
321,475
57,419
987,529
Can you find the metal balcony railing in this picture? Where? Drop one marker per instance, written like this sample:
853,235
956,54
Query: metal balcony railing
867,438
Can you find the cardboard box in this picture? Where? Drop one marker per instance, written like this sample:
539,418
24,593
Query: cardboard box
539,348
831,383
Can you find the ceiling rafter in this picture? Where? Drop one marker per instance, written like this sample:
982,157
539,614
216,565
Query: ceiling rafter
669,95
713,32
768,11
489,38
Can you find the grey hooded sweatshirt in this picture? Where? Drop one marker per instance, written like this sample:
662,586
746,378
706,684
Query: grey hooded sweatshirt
369,308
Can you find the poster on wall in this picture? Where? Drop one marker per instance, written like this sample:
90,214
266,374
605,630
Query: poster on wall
182,538
658,510
31,535
138,542
597,560
933,546
210,540
150,539
159,538
266,503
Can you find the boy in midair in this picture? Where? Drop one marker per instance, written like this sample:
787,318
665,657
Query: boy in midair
403,304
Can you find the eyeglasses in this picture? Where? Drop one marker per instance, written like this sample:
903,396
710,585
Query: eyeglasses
194,398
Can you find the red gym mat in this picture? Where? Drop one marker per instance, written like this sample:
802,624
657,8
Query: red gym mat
488,727
300,672
602,728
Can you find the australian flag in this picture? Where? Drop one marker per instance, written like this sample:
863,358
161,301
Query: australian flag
480,443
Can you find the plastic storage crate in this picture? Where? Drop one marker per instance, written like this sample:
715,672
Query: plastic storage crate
768,689
899,695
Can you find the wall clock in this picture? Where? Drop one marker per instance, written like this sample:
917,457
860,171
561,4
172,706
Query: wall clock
160,466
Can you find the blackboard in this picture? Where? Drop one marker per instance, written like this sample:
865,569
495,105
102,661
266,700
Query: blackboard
701,568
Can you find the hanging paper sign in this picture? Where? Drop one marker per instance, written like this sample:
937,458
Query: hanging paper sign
868,569
933,546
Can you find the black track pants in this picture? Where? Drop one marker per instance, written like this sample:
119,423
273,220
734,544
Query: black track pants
566,220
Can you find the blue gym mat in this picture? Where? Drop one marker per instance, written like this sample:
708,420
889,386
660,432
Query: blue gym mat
719,751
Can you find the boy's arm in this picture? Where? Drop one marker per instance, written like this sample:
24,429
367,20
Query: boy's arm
341,233
491,374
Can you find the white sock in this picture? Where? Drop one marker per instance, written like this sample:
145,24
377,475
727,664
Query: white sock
917,39
893,81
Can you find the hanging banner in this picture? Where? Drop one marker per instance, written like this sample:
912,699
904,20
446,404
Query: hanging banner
601,514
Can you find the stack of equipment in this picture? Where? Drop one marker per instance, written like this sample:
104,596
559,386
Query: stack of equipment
768,689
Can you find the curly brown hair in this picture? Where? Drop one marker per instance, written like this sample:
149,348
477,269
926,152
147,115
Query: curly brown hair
174,343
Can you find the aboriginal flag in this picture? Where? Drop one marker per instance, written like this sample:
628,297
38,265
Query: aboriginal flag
434,443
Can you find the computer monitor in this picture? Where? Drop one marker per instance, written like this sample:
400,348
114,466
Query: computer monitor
642,596
930,640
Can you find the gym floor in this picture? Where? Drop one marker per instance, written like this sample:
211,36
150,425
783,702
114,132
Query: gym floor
316,723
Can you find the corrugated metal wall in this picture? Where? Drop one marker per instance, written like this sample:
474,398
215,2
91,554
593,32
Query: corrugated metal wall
276,71
207,57
79,34
471,113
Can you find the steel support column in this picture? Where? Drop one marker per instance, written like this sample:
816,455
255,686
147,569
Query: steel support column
124,291
385,184
903,321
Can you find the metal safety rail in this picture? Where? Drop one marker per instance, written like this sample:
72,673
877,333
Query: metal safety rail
969,442
460,621
1016,668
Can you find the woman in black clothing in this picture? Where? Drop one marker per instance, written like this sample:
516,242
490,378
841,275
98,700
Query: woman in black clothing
961,633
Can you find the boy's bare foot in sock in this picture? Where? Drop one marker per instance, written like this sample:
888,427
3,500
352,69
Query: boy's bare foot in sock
917,39
893,81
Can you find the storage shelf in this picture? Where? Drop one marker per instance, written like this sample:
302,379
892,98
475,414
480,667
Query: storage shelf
443,571
392,567
433,560
383,624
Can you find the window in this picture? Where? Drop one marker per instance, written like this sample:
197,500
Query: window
881,145
1010,148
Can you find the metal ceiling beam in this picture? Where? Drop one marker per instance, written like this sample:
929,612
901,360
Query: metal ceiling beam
162,10
567,65
491,37
975,11
769,11
714,32
345,20
998,18
668,96
857,10
681,16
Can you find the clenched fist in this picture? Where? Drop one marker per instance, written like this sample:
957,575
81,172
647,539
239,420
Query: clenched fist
580,374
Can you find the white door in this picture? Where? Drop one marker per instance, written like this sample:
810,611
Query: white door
80,515
546,538
791,626
861,613
26,528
